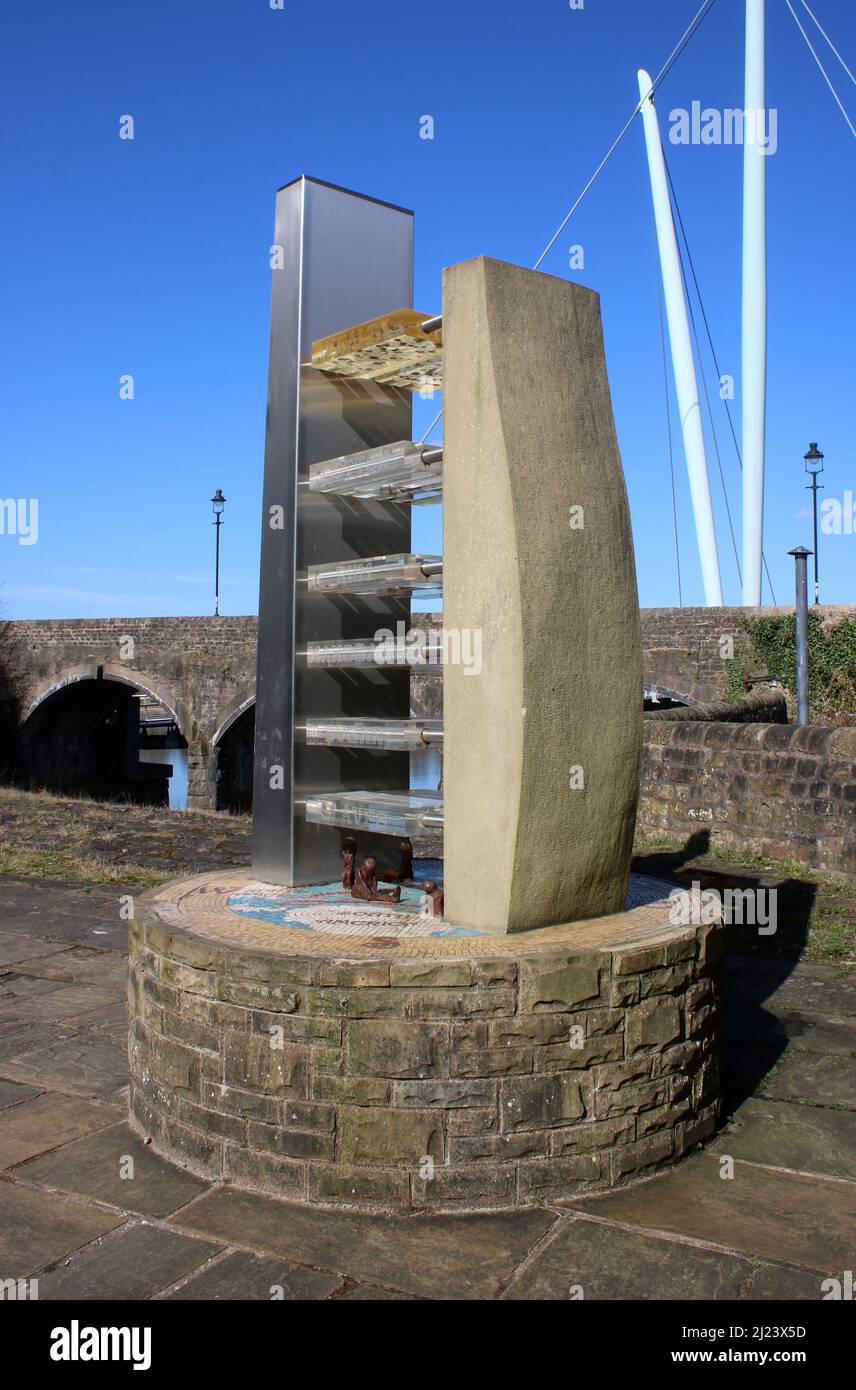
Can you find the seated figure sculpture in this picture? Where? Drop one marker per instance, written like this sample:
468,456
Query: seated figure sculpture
365,886
432,903
349,860
405,868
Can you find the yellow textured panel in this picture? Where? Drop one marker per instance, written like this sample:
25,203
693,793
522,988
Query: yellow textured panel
392,350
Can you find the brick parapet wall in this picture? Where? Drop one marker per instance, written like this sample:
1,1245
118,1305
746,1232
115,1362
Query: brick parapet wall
424,1084
770,789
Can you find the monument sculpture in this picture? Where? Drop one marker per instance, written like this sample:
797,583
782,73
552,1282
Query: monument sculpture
505,1025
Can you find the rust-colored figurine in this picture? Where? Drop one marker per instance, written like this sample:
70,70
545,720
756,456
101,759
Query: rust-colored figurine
433,903
365,886
405,868
349,860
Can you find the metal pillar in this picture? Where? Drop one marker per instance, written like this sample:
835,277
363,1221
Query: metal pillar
800,559
686,384
754,302
343,259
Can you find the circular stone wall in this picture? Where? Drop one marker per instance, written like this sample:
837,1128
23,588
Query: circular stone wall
410,1071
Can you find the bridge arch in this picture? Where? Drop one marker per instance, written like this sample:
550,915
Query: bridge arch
143,684
81,733
663,695
232,747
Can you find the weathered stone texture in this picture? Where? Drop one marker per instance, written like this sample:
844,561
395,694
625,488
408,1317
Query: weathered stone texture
769,789
458,1084
553,596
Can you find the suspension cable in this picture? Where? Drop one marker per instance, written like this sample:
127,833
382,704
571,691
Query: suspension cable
829,41
664,72
826,76
661,76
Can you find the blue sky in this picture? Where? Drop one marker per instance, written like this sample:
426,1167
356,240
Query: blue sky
150,256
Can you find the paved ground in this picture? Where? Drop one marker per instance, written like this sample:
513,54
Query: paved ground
69,1214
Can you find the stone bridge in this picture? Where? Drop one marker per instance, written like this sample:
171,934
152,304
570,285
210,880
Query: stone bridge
81,678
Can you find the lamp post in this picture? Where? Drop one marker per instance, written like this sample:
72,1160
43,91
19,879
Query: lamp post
813,466
218,502
801,555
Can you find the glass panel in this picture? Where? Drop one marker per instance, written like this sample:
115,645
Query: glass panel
401,735
381,574
366,654
391,471
384,813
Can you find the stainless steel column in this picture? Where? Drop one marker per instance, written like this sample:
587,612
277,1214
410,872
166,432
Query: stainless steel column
345,259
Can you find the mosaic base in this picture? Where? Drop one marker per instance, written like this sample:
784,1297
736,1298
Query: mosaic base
327,909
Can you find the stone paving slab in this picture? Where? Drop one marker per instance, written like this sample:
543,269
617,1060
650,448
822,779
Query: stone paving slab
104,933
78,965
37,1228
820,1079
17,1038
749,1023
111,1022
13,1093
804,1221
84,1064
19,946
242,1278
45,1123
786,987
594,1261
26,999
366,1293
746,1068
93,1167
135,1262
804,1138
437,1257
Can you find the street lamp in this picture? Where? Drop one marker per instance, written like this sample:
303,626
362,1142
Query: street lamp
813,466
218,502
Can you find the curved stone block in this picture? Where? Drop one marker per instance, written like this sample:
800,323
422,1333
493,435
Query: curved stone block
544,744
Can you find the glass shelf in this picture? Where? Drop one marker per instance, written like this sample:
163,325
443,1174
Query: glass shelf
383,813
381,574
384,474
398,735
366,655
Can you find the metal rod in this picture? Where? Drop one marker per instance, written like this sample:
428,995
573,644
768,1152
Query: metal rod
431,325
814,512
431,822
432,735
435,567
430,456
800,559
754,302
686,383
217,569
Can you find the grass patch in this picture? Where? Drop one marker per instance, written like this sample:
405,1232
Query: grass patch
788,868
79,840
34,863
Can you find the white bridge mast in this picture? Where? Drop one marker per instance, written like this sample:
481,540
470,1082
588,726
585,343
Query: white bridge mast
754,301
686,383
